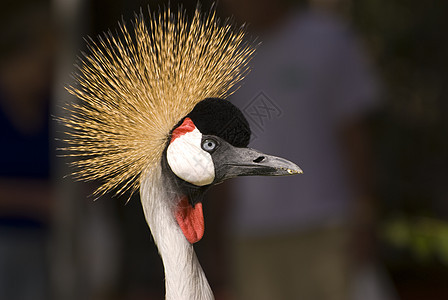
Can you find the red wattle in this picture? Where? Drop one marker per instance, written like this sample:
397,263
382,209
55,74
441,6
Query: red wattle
190,220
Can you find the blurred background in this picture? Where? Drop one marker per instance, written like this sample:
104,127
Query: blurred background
355,90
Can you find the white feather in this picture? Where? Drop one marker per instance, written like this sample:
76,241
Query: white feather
189,161
184,277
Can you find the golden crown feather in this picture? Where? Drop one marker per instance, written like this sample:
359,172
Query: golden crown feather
135,86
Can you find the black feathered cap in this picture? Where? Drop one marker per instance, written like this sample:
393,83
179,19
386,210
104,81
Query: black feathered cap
214,116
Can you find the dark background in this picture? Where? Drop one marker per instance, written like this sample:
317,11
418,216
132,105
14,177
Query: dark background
408,45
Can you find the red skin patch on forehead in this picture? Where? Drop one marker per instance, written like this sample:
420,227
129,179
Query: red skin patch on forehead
186,126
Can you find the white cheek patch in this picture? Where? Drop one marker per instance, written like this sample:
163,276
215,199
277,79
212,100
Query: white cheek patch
189,161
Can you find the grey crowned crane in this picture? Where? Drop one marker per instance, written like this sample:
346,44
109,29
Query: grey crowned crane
152,116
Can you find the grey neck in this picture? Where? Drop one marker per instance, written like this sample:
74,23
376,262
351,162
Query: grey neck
184,277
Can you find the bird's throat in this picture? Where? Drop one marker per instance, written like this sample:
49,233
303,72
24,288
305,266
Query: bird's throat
190,220
184,277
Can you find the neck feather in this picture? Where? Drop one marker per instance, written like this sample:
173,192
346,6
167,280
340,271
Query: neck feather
184,277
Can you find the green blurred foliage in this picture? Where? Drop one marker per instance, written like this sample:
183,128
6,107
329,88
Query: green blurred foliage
424,240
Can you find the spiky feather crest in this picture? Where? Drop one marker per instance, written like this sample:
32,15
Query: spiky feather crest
134,88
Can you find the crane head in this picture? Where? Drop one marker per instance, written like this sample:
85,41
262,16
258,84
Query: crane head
208,146
153,81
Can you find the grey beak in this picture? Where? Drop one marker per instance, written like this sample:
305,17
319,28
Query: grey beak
250,162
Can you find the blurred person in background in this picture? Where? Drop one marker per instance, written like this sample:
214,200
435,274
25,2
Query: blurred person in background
307,98
26,196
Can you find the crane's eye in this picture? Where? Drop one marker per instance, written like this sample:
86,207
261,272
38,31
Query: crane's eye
209,145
